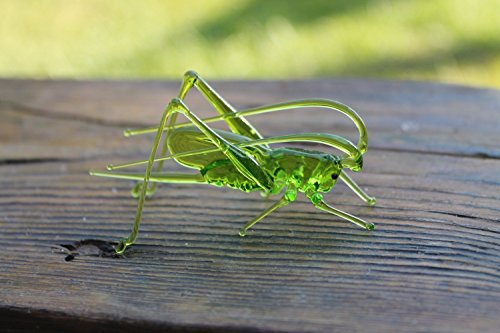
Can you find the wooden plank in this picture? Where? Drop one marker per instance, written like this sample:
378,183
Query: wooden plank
432,264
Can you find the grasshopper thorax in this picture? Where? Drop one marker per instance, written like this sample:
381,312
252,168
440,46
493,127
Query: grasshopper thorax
305,170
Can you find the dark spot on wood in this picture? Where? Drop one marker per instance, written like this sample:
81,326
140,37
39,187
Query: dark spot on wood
89,247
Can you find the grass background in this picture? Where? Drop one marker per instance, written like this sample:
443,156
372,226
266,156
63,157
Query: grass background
442,40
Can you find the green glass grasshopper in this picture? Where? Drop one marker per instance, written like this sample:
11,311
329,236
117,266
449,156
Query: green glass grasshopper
242,158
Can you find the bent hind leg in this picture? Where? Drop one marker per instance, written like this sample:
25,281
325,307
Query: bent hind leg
237,125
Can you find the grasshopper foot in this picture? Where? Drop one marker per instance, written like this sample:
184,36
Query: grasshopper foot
137,189
121,246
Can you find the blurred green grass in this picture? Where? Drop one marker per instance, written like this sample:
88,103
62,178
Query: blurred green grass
441,40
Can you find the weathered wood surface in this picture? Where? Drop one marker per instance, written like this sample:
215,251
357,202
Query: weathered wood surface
432,264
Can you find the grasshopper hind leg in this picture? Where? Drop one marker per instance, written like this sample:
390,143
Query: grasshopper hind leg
246,165
238,125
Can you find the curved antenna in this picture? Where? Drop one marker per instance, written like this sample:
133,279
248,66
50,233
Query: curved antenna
303,103
353,160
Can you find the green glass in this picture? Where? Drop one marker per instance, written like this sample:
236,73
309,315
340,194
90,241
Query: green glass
242,158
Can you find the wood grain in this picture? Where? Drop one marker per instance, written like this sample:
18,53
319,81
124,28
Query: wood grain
432,264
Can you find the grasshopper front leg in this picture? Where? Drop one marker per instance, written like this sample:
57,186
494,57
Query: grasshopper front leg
356,189
317,200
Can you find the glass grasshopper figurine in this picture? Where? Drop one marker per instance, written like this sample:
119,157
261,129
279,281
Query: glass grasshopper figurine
242,158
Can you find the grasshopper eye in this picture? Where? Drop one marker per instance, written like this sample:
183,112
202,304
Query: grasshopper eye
335,176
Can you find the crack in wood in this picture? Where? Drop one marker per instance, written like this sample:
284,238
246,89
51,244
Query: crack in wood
39,112
477,155
18,161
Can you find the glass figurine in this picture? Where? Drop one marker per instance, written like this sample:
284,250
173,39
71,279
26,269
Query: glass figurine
242,158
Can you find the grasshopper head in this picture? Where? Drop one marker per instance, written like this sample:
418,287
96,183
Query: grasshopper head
325,175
